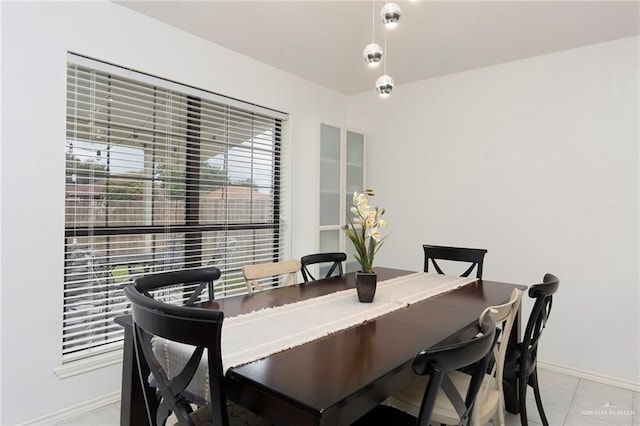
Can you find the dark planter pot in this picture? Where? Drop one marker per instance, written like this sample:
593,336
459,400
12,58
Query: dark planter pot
366,283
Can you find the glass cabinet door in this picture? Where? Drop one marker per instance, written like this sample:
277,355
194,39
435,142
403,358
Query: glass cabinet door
342,169
330,172
330,241
355,168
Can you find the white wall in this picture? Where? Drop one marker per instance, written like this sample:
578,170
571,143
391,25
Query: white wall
536,160
35,41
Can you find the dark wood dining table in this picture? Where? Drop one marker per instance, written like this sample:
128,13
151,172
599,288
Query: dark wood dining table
338,378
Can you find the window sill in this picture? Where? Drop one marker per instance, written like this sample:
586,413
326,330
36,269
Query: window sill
95,362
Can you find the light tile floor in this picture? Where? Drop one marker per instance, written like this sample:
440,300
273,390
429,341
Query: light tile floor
571,401
567,400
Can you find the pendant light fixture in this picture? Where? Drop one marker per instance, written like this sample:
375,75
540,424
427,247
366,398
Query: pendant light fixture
390,14
372,52
384,84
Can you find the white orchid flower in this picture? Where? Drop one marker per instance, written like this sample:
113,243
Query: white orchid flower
359,199
370,222
365,224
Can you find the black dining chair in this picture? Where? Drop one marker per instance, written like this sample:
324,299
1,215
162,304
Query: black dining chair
193,282
435,363
200,328
521,361
180,287
335,259
489,403
458,254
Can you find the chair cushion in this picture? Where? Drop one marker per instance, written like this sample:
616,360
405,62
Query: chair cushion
409,399
238,415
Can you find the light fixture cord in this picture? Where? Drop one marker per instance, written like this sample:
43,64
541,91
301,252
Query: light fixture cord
385,53
373,21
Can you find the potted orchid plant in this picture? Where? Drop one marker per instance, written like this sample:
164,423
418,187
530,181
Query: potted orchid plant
364,232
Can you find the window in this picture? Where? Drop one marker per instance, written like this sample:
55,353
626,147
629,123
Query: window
159,176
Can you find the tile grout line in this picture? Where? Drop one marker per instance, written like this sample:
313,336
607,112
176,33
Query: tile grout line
573,398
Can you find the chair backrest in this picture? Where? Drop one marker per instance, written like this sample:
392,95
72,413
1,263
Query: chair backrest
543,293
335,258
253,273
504,316
202,277
201,328
437,361
458,254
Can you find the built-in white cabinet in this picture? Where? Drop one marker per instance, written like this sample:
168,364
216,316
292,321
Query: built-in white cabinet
342,171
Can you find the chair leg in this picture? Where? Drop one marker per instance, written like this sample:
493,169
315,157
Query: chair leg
522,400
536,393
510,392
501,421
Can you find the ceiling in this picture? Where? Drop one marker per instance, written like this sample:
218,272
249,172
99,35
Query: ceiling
322,41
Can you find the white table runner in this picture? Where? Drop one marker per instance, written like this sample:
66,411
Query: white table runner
256,335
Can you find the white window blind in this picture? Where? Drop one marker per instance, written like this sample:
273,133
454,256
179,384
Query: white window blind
160,177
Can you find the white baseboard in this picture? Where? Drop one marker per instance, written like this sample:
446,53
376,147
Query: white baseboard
600,378
76,410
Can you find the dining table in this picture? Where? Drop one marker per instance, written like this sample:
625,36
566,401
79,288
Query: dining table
336,378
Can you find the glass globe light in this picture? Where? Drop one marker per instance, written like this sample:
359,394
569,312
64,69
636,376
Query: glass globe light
384,86
372,54
390,14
